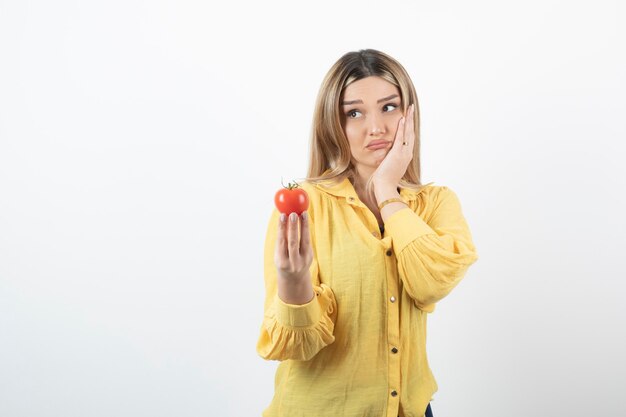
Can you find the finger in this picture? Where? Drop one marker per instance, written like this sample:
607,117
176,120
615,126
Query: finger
292,239
409,131
405,143
305,234
281,237
399,133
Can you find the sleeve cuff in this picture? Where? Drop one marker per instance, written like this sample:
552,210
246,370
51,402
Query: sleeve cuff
405,226
298,315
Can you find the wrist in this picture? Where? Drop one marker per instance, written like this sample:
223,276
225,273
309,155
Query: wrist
295,291
385,191
393,202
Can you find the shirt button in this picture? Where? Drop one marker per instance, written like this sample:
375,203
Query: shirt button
389,252
394,350
375,234
394,393
392,299
351,198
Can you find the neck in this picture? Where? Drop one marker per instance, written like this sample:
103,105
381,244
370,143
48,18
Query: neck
359,186
361,177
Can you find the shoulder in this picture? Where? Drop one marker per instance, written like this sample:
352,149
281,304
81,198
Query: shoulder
430,199
437,191
311,189
441,194
444,192
426,194
308,186
444,201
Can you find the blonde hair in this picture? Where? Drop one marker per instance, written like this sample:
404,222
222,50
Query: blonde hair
330,149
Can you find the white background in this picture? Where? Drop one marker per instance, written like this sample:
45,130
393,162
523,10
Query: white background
141,144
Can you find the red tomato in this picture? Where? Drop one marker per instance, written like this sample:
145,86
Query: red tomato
291,199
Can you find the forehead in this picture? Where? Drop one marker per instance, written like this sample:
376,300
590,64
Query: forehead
369,89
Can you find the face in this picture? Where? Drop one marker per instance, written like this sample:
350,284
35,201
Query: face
371,109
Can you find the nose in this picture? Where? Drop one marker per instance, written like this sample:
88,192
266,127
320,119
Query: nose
376,125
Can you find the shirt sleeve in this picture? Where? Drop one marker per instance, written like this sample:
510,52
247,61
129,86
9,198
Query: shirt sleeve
432,256
292,331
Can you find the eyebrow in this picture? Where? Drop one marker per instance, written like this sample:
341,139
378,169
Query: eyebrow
347,103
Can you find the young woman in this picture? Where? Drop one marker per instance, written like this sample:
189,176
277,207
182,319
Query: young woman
350,282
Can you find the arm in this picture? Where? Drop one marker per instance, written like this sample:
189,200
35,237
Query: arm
432,257
293,331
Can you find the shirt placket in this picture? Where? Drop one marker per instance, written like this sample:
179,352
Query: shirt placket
393,332
393,315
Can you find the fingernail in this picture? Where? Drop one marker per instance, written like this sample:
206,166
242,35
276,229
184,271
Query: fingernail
293,217
282,217
305,215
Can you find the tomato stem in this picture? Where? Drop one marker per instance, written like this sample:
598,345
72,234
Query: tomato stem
289,186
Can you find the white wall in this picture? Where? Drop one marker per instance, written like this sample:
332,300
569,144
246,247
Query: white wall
141,144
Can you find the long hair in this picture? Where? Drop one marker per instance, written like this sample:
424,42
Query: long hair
329,147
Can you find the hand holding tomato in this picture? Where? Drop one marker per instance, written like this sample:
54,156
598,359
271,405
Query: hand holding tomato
293,256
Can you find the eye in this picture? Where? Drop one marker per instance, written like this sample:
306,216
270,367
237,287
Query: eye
395,106
351,112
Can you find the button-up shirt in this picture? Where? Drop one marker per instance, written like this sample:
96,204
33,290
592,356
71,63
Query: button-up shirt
358,348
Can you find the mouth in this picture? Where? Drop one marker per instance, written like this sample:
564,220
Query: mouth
378,144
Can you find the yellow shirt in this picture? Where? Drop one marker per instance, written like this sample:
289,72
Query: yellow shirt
358,348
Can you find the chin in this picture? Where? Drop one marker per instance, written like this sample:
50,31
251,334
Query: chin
380,159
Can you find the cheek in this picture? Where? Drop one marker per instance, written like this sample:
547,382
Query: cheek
351,132
352,136
396,122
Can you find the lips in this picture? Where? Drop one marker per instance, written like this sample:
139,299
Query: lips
377,144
